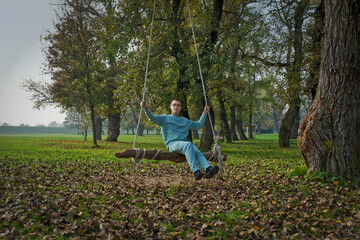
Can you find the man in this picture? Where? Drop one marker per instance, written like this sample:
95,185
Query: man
175,130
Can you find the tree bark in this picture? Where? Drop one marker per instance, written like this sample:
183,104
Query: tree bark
294,77
93,124
329,137
224,123
276,121
207,138
195,134
163,155
316,36
114,127
239,123
250,125
295,127
98,123
234,136
288,122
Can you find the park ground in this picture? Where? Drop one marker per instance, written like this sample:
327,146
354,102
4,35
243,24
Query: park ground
60,187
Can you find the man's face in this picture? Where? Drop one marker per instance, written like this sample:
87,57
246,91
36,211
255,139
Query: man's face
175,107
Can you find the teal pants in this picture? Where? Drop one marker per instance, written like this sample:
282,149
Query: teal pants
193,155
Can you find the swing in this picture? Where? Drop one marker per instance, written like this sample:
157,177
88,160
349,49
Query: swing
136,154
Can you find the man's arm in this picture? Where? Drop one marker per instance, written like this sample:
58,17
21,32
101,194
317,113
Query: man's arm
154,118
200,123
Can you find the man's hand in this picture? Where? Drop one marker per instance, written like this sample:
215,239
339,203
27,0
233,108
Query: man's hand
206,109
143,105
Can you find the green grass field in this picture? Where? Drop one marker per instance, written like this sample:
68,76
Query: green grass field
61,187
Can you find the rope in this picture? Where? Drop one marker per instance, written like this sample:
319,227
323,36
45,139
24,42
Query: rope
146,73
137,157
201,76
157,153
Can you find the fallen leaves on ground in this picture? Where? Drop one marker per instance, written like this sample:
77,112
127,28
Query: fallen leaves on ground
121,200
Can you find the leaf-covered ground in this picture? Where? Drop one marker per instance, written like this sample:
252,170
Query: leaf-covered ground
62,188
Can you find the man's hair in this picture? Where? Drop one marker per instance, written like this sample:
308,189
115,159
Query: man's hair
175,99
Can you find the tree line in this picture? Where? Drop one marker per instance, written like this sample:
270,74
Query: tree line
260,58
96,60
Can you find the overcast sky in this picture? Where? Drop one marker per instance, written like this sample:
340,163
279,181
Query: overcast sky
21,24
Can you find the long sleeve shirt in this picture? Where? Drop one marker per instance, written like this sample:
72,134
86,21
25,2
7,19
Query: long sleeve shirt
175,128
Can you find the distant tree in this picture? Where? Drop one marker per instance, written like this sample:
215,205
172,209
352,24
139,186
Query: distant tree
71,59
5,125
72,121
53,124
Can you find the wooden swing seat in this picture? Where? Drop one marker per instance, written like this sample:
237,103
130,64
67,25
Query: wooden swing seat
163,155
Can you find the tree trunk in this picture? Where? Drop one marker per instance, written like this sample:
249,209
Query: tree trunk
195,134
224,123
207,138
329,137
295,127
316,36
250,125
240,125
85,133
114,127
276,121
288,122
234,136
295,76
92,114
98,123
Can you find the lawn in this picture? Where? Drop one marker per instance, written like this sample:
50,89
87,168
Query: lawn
60,187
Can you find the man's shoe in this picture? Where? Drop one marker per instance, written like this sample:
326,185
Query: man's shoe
198,175
211,171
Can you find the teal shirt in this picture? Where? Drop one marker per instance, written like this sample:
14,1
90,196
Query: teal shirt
175,128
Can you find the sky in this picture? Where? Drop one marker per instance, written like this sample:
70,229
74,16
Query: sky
22,22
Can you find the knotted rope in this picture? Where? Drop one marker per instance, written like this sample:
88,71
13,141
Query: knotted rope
137,157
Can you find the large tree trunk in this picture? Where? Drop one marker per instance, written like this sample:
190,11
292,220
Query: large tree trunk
113,127
223,119
329,137
234,136
207,138
239,123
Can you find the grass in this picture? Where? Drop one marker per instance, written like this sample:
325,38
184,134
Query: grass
60,187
